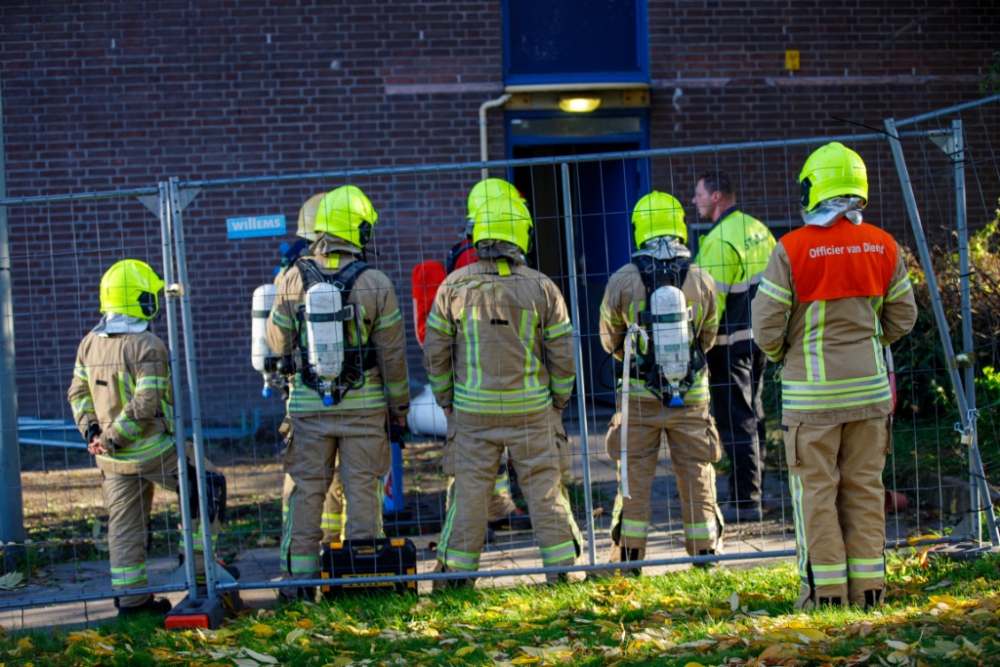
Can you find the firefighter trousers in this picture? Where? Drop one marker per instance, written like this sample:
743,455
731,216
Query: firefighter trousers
478,444
332,521
315,440
501,503
128,496
737,384
694,446
838,500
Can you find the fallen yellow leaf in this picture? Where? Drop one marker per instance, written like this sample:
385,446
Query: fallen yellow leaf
305,623
465,650
772,651
262,630
812,634
944,599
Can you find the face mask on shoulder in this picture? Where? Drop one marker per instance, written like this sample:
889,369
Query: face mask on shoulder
831,210
663,248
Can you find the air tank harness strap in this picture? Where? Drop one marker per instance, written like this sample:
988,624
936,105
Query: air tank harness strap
655,274
633,331
343,315
357,360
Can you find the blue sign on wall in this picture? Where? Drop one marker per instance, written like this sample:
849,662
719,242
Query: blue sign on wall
261,225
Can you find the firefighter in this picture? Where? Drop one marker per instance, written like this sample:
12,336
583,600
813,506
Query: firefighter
501,511
499,350
332,520
679,408
122,404
735,252
344,415
834,294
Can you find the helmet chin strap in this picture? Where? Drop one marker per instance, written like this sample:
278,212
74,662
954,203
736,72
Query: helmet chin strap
831,210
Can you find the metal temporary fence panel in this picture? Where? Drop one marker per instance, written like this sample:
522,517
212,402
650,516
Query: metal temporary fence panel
206,238
57,549
581,207
955,181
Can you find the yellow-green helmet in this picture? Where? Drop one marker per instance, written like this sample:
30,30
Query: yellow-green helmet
307,218
130,287
346,212
503,218
658,214
488,189
833,170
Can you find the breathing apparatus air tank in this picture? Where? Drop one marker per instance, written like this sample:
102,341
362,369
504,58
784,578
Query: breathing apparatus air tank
263,359
671,338
325,317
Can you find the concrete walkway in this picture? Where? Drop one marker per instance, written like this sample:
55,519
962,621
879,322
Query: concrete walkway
508,553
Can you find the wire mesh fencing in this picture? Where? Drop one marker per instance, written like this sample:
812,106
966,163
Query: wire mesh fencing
950,182
581,206
519,483
58,532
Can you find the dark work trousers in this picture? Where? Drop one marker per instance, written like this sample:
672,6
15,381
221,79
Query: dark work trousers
736,382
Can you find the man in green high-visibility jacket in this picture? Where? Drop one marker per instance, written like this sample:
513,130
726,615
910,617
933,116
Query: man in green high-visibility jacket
735,253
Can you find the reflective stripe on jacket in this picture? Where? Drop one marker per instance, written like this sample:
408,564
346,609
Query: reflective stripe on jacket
626,295
735,253
834,366
122,382
499,341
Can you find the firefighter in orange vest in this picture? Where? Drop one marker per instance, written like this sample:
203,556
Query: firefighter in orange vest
834,294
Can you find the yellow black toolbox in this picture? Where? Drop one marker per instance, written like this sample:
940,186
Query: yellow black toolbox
368,558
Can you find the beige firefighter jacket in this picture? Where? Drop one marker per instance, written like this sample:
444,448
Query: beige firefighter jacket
834,368
122,383
499,341
377,318
625,296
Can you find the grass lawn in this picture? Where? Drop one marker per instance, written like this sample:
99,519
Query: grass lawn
938,613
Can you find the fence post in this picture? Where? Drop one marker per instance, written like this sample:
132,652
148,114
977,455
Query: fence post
192,377
966,415
171,292
11,504
581,399
957,157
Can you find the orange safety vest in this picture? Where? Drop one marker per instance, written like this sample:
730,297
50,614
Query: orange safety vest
841,261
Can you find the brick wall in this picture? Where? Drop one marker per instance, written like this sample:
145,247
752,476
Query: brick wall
103,96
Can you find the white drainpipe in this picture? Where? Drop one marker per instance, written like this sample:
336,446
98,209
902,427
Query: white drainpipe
484,148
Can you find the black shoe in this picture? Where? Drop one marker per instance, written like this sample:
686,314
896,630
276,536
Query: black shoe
154,605
307,593
233,571
739,514
450,584
708,565
516,520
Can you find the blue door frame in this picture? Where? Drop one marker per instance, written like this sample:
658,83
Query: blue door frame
604,194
